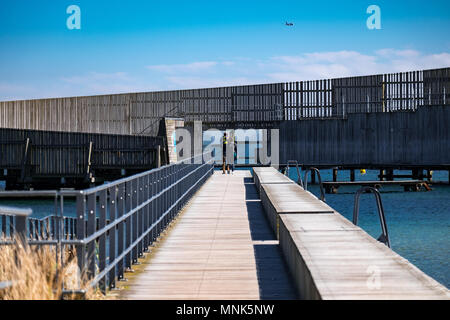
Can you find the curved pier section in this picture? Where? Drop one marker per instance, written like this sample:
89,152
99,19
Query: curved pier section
328,256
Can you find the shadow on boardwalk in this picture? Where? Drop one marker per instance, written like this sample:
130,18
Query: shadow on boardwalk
274,279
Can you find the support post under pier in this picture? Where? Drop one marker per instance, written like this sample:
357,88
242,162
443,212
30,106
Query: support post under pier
335,174
352,175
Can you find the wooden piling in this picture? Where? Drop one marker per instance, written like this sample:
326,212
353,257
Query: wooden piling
352,175
429,175
415,174
390,175
335,174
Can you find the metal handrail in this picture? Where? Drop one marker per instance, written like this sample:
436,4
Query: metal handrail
322,192
9,211
101,275
140,208
295,162
124,180
384,237
123,218
19,226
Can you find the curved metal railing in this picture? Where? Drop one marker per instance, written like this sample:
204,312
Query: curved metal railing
384,237
295,162
305,183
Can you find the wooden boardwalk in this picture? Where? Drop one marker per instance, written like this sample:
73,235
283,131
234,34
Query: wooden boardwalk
222,247
330,257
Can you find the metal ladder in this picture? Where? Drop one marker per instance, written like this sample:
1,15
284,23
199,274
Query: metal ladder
295,162
322,193
384,237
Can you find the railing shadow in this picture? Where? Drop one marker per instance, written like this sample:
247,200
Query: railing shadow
274,279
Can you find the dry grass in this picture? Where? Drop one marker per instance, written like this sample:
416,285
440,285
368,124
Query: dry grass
37,276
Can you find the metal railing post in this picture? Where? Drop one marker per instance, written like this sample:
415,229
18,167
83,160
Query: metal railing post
295,162
305,183
102,238
152,177
157,207
135,218
21,228
172,191
128,221
166,195
91,228
121,229
147,212
112,235
384,237
162,208
142,199
81,249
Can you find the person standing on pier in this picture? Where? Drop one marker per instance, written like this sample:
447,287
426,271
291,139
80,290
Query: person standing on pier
225,166
234,154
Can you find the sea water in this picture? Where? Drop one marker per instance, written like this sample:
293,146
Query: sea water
418,222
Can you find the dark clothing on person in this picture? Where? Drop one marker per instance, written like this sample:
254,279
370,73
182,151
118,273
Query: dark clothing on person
224,154
235,156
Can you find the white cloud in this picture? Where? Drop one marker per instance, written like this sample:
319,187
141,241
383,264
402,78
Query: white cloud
190,67
11,91
95,83
238,71
311,66
389,53
307,66
187,82
96,76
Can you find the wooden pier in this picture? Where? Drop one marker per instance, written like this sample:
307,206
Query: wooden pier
330,258
272,240
377,122
215,236
220,248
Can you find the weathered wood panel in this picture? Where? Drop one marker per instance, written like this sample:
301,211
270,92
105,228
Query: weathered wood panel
63,154
139,113
420,138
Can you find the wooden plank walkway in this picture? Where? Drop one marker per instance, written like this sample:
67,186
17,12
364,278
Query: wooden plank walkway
222,247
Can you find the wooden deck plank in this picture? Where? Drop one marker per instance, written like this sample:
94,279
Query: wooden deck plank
221,248
333,259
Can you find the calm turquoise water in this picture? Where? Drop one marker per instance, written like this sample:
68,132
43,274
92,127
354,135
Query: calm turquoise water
418,222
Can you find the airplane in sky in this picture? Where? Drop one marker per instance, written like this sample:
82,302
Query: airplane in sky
289,24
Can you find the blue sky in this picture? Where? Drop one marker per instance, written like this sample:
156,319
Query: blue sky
135,46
